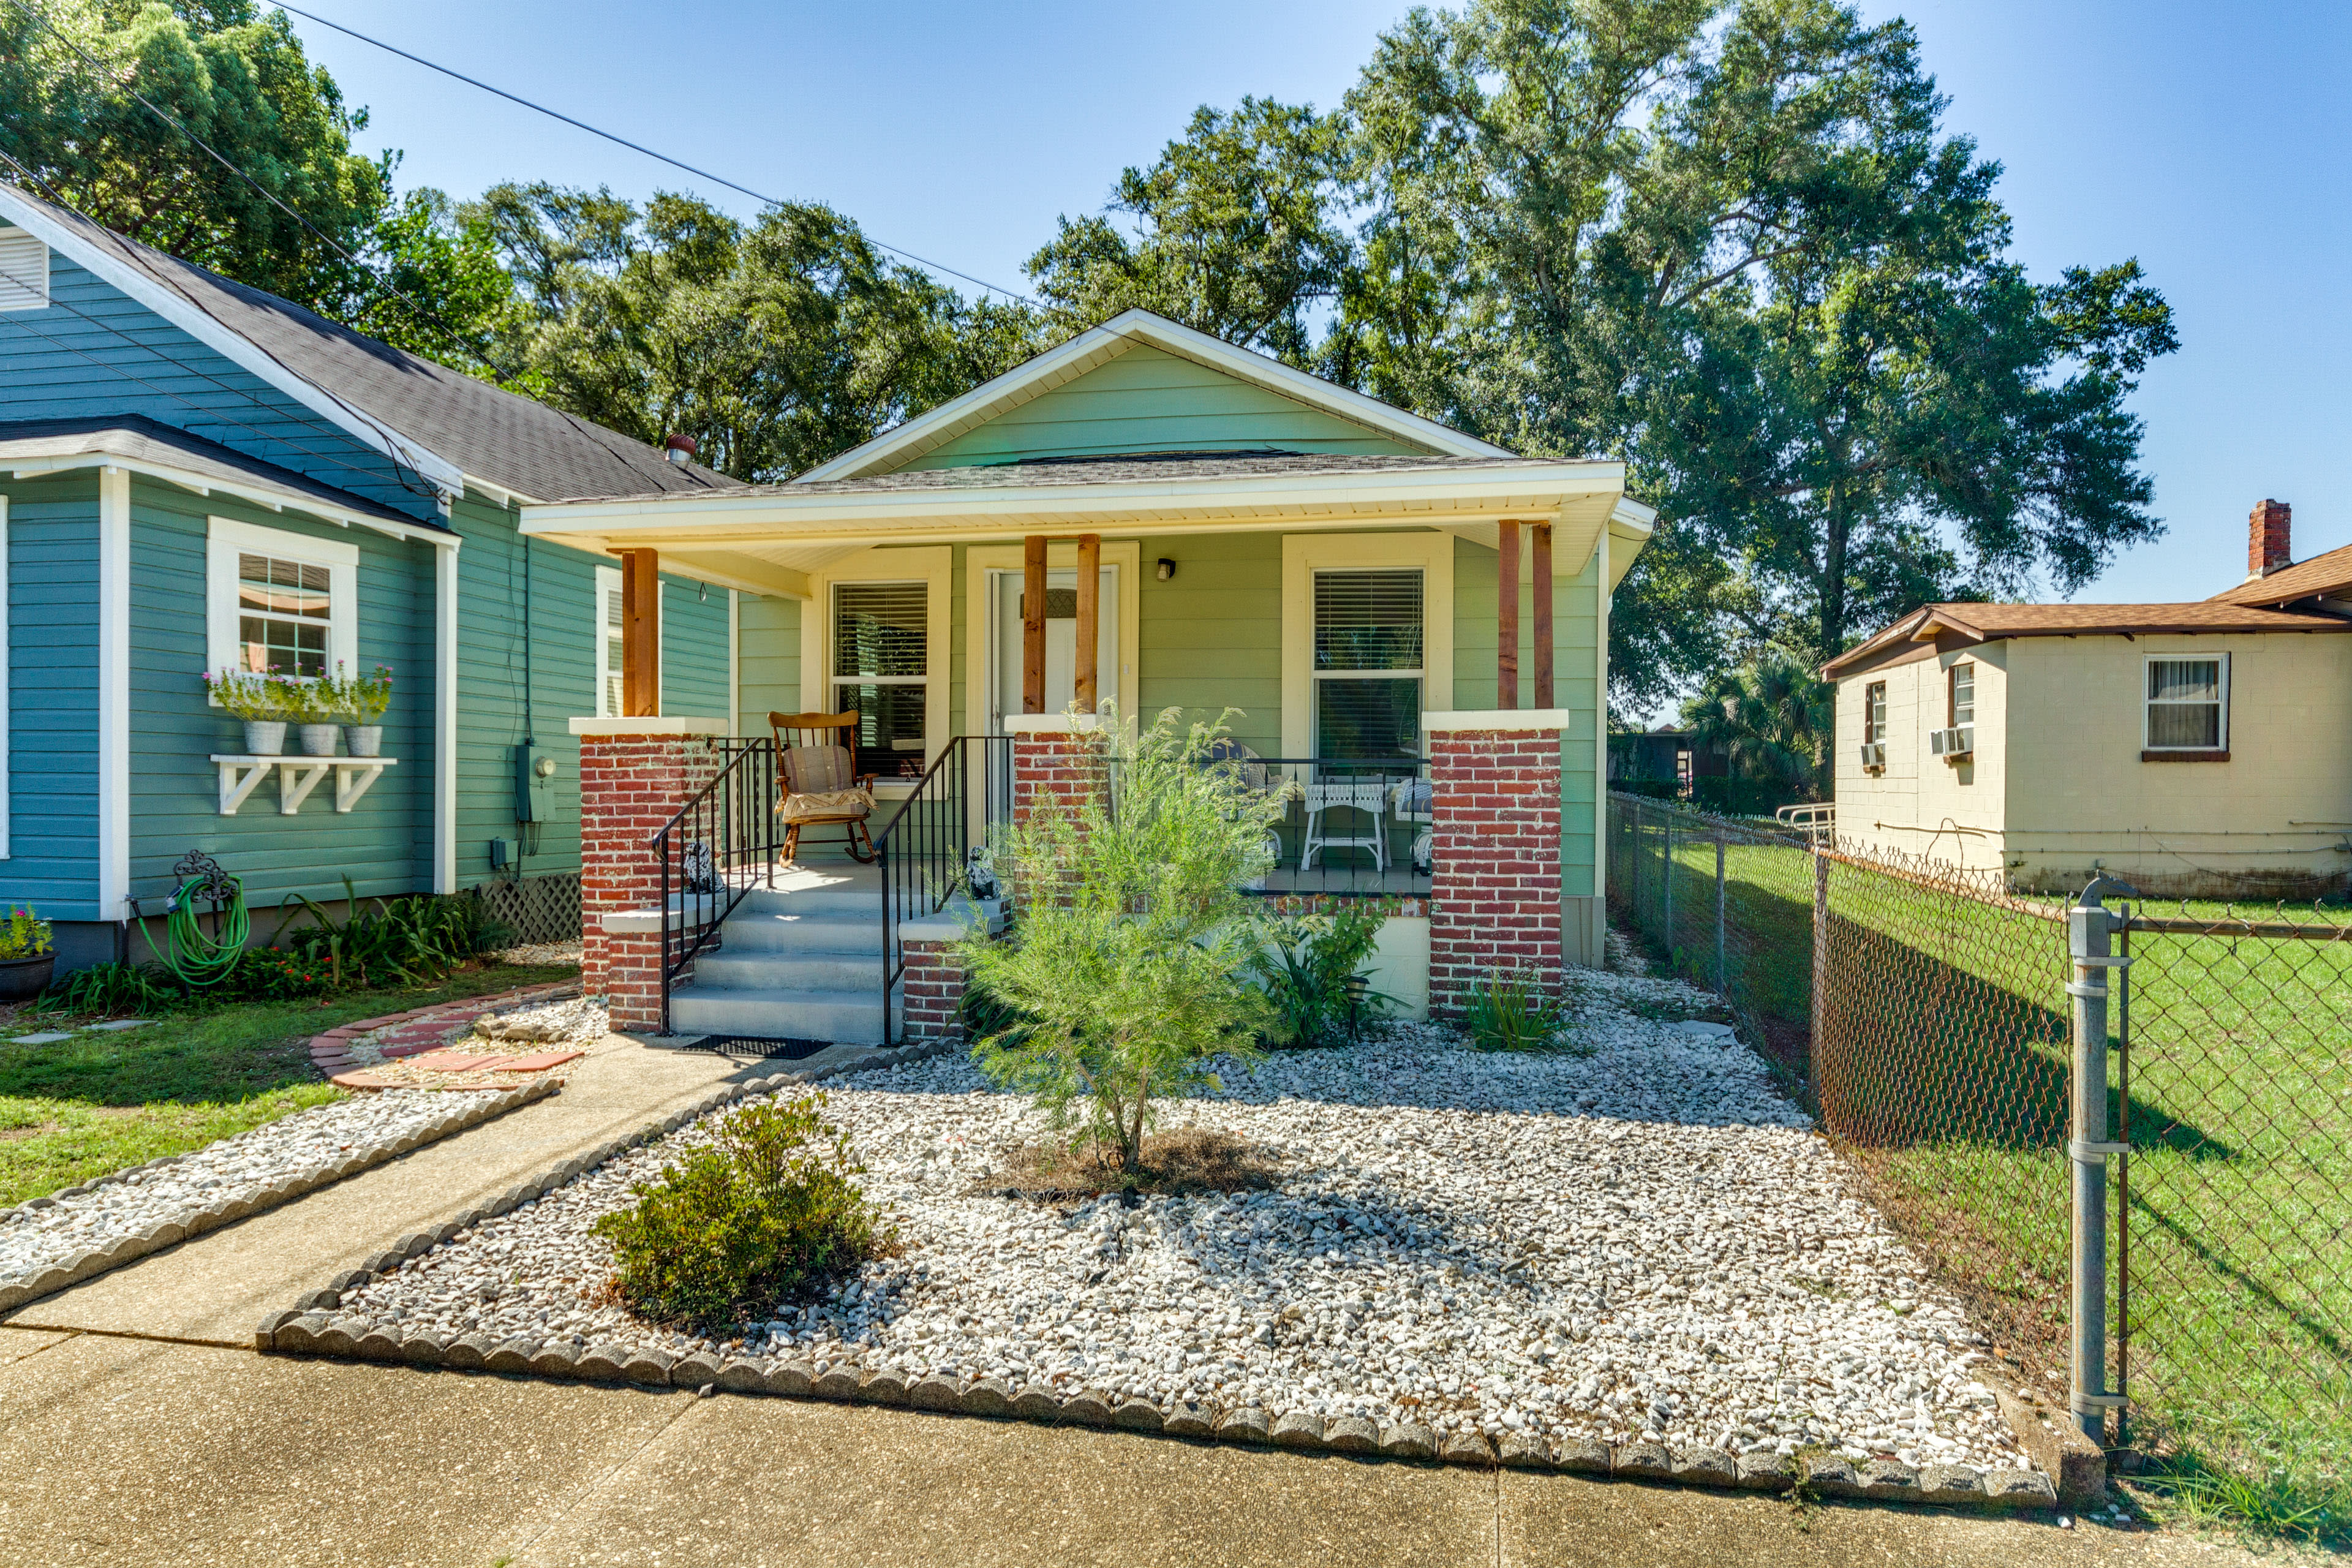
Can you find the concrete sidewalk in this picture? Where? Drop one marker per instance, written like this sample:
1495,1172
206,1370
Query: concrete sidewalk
217,1288
133,1452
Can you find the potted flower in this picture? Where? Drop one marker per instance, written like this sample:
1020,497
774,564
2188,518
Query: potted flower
317,714
259,700
26,959
360,701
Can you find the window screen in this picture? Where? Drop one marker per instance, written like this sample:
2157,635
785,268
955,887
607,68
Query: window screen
2184,704
283,610
880,667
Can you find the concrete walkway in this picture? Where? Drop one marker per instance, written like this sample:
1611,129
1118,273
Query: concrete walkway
215,1288
133,1452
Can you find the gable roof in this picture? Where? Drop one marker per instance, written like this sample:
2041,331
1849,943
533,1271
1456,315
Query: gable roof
2322,575
1994,623
446,426
1058,366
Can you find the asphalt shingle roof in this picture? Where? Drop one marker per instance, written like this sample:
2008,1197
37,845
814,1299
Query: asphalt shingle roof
2330,573
136,439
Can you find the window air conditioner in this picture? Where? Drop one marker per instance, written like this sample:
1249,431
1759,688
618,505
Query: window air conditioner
1958,743
1874,753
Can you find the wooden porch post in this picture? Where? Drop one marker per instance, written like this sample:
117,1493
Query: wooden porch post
1506,617
1089,620
1540,568
1032,623
640,634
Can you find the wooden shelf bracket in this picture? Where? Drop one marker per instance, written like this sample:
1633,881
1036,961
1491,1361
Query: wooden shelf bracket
297,777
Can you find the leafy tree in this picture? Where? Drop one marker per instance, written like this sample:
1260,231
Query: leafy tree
1771,718
776,344
1124,967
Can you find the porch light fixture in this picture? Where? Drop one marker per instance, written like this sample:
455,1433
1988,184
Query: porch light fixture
1167,569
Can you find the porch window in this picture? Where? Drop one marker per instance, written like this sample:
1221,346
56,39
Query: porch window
881,671
2188,704
1368,664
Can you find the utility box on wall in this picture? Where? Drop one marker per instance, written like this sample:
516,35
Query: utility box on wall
534,769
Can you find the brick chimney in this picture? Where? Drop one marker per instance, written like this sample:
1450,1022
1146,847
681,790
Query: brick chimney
2267,546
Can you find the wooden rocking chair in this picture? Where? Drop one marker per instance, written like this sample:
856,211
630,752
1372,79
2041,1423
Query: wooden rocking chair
816,785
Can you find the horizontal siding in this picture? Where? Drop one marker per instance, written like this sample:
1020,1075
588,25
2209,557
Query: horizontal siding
95,352
52,590
1210,636
383,845
768,631
694,650
1147,400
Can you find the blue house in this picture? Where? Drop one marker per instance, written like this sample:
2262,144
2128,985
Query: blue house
172,446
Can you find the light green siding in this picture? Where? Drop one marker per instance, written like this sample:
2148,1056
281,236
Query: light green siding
384,844
1147,400
1210,636
694,649
1575,684
768,632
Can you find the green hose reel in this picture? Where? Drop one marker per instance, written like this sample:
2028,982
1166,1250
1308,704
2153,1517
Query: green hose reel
197,959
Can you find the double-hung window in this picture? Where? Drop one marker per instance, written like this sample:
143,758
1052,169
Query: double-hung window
1874,724
2188,704
881,670
1960,696
1368,664
279,603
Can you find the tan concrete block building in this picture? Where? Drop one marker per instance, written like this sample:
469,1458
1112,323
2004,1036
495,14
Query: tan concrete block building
2194,750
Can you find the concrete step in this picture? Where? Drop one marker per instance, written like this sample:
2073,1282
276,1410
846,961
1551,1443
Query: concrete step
848,1017
824,932
741,969
860,896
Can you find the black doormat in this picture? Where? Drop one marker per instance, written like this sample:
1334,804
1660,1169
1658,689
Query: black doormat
750,1048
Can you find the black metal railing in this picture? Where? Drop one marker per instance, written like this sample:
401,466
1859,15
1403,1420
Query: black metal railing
1348,829
925,850
721,844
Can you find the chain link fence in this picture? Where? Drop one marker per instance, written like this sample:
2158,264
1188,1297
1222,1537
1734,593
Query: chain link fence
1922,1014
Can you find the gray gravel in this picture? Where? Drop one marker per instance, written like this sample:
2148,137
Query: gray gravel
1644,1243
52,1232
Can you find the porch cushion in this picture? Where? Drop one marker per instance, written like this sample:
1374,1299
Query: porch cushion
815,770
826,805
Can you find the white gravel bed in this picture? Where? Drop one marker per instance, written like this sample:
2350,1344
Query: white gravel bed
1647,1243
52,1232
581,1020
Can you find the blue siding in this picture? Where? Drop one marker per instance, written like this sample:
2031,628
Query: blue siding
53,697
384,843
95,352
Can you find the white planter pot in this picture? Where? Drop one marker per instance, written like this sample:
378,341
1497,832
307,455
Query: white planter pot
364,740
317,740
265,737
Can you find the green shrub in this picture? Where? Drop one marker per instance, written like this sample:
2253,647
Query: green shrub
1130,933
26,935
1509,1013
412,940
112,988
1315,974
768,1212
273,975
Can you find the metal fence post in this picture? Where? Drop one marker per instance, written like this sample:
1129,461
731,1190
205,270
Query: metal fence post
1819,1012
1667,893
2090,929
1721,982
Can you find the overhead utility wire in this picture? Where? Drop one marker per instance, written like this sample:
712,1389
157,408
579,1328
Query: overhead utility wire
624,141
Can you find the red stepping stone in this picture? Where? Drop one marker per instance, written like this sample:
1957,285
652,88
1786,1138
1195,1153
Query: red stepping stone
539,1062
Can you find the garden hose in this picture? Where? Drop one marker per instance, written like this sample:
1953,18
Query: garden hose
199,959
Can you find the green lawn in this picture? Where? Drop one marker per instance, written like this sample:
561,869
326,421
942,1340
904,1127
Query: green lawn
1942,1069
78,1109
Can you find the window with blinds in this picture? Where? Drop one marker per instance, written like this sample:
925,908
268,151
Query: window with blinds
881,672
2188,704
1368,664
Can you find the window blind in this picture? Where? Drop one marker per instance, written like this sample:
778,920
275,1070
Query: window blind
880,629
1368,620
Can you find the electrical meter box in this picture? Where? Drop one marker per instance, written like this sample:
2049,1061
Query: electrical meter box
533,769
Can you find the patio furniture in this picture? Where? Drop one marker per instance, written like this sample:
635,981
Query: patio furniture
1344,792
1412,800
818,784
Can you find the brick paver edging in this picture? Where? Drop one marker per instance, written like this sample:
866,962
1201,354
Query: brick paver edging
329,1055
471,1111
306,1329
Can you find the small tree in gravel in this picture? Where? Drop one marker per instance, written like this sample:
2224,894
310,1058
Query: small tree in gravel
1122,974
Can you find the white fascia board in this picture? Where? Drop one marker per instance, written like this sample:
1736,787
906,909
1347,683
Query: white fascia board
1316,499
500,493
1635,524
184,314
1048,370
275,497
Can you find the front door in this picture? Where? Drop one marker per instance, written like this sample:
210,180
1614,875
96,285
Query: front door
1061,643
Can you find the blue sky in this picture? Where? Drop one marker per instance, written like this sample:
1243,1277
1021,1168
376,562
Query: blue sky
2211,141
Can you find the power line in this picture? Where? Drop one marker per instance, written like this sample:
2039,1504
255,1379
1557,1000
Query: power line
624,141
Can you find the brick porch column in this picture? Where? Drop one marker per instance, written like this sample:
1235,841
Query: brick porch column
634,774
1054,754
1495,894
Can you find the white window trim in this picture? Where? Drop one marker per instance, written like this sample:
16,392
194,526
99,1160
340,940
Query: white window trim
226,539
1305,554
2146,701
933,565
1952,720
